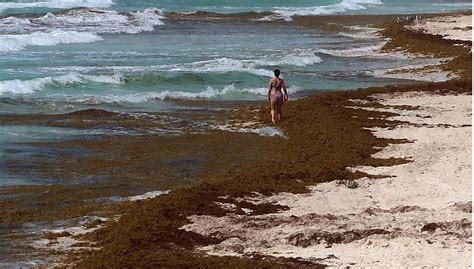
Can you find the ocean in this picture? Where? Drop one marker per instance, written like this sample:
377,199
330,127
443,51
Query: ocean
61,56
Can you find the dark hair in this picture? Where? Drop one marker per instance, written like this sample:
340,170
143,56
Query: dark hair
276,72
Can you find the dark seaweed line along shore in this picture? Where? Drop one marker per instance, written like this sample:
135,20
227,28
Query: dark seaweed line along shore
325,137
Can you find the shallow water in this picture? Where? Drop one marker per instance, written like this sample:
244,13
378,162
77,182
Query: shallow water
58,57
18,156
125,55
124,72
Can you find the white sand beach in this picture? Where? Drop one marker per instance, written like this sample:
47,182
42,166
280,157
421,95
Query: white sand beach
415,214
458,27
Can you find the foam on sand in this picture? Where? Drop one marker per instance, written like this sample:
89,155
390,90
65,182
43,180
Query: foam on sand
148,195
263,131
431,71
417,214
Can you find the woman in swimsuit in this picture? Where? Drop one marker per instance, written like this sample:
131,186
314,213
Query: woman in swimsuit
275,95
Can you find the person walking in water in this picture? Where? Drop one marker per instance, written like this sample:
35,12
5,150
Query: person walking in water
275,95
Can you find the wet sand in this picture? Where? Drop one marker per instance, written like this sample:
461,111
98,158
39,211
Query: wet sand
216,173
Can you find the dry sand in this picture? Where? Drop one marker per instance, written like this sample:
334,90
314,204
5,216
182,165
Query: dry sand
417,214
457,27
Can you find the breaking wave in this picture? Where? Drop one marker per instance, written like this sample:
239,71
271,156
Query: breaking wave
22,87
17,86
86,20
73,26
210,93
286,13
55,37
57,4
250,66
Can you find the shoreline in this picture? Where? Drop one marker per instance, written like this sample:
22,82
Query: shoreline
414,214
164,216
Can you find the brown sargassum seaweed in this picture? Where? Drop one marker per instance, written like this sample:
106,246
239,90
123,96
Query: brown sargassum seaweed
324,137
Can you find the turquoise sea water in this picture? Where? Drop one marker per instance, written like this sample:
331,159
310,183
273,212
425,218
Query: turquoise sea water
59,56
316,7
125,54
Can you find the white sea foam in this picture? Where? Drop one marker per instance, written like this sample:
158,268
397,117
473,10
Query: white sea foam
148,18
297,57
258,66
250,66
264,91
263,131
73,26
143,97
17,86
269,131
86,20
222,65
148,195
108,68
209,93
373,51
218,65
291,59
23,87
367,51
428,71
111,79
56,4
297,60
51,38
286,13
362,32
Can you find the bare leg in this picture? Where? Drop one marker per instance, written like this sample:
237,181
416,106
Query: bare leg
279,105
273,114
274,110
